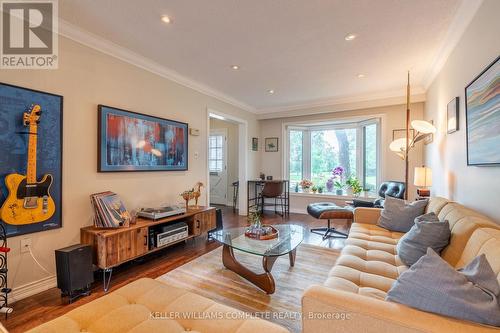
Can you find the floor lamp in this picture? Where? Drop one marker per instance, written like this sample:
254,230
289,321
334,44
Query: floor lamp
402,146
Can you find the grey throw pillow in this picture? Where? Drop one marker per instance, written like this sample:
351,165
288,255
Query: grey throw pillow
426,232
397,215
432,285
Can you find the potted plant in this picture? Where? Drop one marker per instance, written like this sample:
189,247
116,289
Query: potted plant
254,219
314,189
339,187
354,186
337,174
320,189
306,185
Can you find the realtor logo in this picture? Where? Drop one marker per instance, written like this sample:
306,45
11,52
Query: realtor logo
29,34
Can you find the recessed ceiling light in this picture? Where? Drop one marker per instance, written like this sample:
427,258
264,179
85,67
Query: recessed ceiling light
360,76
235,67
166,19
350,37
270,91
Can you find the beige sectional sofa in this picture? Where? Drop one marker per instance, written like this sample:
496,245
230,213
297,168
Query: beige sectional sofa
352,297
147,306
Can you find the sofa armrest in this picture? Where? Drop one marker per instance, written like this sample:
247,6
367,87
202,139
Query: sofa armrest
366,215
329,310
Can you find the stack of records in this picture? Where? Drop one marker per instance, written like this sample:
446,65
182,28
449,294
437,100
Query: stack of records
109,210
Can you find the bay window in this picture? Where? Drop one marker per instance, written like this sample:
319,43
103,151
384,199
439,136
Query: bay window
315,150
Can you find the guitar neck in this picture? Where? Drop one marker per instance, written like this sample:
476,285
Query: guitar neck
32,143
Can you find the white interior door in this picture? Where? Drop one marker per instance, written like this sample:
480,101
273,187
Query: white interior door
217,165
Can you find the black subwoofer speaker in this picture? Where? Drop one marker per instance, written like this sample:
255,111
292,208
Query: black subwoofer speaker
74,270
218,223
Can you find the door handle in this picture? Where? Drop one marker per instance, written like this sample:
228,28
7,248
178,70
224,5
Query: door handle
145,240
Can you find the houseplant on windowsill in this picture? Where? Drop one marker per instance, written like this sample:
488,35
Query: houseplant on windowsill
337,174
314,189
353,186
306,185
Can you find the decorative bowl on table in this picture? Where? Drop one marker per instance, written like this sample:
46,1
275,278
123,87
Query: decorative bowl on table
262,232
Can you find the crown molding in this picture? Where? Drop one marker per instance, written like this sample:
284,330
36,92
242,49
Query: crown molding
346,103
105,46
465,12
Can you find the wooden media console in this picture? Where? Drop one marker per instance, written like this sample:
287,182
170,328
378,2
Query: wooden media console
112,247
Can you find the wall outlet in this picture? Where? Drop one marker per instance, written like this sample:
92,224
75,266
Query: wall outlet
25,245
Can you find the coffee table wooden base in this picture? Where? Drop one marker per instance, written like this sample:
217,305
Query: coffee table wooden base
264,281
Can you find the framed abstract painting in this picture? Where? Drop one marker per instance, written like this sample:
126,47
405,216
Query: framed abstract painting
130,141
482,110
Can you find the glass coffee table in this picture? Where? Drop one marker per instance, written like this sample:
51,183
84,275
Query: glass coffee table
289,237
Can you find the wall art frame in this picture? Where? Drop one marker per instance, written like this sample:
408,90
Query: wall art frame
131,141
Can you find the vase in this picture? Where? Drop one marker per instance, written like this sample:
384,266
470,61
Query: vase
339,192
306,190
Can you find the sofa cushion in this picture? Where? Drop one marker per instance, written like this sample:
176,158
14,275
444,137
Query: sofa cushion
435,205
483,241
368,264
398,215
427,232
463,221
147,305
371,232
432,285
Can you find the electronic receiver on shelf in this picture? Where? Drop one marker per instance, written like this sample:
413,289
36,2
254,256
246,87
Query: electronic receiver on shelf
167,234
161,212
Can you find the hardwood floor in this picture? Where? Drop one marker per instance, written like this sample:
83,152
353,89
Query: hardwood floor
40,308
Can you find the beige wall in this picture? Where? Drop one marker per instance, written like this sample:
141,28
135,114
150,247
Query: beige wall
477,187
87,78
392,167
232,152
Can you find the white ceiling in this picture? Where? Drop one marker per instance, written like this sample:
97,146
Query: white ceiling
295,47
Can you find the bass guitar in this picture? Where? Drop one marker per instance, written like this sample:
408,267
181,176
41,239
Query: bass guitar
29,200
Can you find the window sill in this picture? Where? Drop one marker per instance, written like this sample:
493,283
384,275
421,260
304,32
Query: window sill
329,196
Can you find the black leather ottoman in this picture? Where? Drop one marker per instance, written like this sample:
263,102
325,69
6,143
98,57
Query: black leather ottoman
329,211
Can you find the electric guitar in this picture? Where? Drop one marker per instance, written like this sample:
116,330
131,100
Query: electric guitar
28,201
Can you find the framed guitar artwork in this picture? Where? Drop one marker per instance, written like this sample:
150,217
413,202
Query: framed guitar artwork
30,160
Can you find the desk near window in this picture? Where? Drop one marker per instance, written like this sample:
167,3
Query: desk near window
254,188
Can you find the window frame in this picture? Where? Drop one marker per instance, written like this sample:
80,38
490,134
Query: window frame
359,125
223,148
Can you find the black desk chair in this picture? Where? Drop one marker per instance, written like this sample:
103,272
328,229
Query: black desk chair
390,188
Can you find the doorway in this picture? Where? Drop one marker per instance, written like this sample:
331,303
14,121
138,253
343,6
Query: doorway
227,146
218,164
222,161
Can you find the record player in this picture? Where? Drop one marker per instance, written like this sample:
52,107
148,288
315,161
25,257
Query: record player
161,212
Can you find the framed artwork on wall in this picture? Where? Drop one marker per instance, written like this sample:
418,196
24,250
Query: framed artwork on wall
271,144
452,113
30,160
482,115
400,133
255,144
130,141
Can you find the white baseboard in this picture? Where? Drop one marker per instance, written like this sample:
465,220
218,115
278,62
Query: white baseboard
32,288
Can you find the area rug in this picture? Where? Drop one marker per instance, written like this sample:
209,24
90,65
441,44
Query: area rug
207,276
